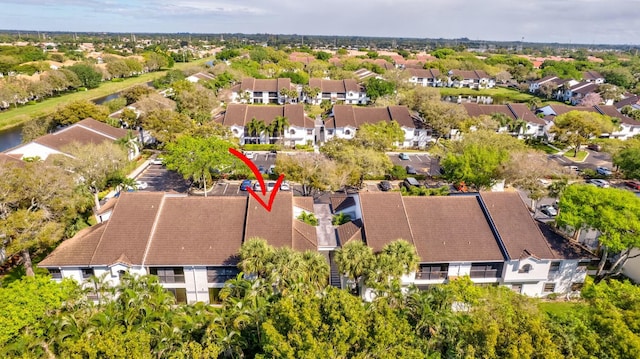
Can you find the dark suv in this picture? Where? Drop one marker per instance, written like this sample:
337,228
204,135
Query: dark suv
411,182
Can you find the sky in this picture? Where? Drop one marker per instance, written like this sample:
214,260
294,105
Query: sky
562,21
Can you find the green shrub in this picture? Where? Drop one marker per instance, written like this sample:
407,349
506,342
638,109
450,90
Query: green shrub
422,191
397,173
260,147
340,218
308,218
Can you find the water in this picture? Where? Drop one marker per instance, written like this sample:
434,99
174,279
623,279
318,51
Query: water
10,138
103,99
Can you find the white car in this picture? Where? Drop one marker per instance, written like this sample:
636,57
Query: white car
270,186
284,186
256,187
599,182
249,155
141,185
604,171
157,161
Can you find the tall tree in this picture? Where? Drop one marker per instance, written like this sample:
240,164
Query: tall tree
380,136
615,213
255,128
355,259
576,127
77,111
200,159
90,76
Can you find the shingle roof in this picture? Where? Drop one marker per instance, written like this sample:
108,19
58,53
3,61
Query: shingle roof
75,134
354,116
350,231
103,128
76,251
451,228
335,86
129,227
304,237
340,203
241,114
305,203
563,248
214,229
591,75
384,219
611,111
265,85
424,73
517,228
276,227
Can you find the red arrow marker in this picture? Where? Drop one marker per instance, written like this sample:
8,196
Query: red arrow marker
258,175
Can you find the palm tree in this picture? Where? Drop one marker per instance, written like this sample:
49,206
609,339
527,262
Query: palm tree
255,128
280,124
403,256
255,257
316,269
354,261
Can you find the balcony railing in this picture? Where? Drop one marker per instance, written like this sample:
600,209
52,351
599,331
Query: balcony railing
490,273
432,275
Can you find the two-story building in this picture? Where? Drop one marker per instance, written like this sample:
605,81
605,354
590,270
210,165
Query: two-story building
627,126
426,77
476,79
489,236
300,130
345,120
262,91
190,243
530,125
346,91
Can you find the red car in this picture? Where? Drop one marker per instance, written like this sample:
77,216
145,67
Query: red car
633,185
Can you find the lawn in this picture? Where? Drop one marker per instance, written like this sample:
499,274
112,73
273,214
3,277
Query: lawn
579,158
543,147
18,116
499,94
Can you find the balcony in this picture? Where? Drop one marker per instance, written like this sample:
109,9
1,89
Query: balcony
435,275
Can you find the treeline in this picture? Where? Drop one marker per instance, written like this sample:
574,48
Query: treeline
17,90
285,310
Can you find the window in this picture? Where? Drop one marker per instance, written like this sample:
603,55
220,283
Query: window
525,268
292,131
433,271
486,270
576,286
416,133
554,267
330,131
87,272
221,274
169,275
309,132
347,132
214,295
55,273
179,293
517,288
549,287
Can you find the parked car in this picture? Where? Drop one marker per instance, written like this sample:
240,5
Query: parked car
272,170
157,161
604,171
249,155
141,185
385,186
245,184
404,156
549,210
256,187
285,186
270,186
411,182
411,170
594,147
633,184
599,182
261,169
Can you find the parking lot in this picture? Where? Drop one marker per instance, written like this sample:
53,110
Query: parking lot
160,179
422,162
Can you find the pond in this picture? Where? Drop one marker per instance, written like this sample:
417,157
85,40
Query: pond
10,138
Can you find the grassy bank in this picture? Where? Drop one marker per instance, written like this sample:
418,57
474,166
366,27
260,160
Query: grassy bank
18,116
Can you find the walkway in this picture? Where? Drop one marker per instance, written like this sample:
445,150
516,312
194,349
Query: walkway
324,231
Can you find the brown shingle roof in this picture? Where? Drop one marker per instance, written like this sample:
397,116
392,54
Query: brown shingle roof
611,111
265,85
276,226
306,203
563,248
103,128
72,134
451,228
384,219
212,229
522,112
340,203
335,86
241,114
517,228
304,237
424,73
350,231
76,251
353,116
128,228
